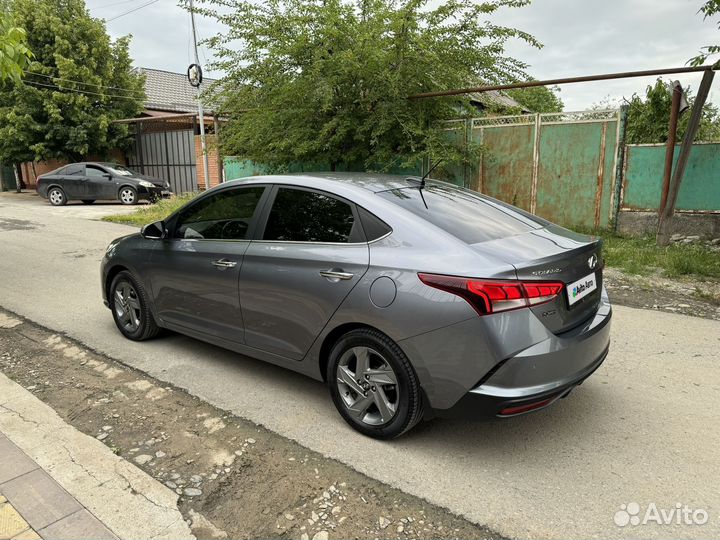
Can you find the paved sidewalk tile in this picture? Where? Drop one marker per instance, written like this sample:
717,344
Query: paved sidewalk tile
81,524
14,462
11,523
27,535
39,499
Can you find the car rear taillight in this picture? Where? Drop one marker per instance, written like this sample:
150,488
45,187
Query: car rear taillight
493,296
37,183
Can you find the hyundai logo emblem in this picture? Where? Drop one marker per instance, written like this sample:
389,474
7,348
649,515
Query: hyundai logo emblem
592,261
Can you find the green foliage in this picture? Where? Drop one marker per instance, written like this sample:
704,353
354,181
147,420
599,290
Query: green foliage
709,9
14,54
77,84
327,80
648,118
540,99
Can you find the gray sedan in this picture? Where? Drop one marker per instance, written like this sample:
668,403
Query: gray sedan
409,298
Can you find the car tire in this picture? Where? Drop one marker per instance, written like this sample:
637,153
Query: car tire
128,195
348,373
57,196
88,201
130,308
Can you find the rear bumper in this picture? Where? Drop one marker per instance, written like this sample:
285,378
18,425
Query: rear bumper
486,401
480,367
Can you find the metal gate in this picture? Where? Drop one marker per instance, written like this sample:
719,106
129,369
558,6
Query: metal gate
560,166
169,155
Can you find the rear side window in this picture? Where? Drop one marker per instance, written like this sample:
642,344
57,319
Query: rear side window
466,215
222,216
308,216
75,170
373,226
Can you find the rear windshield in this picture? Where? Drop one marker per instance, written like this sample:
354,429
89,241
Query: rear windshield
465,214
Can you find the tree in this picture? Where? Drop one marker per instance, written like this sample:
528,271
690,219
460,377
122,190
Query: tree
14,54
77,84
539,99
327,81
648,118
709,9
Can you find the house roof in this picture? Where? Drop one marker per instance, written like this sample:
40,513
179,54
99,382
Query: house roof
169,91
497,99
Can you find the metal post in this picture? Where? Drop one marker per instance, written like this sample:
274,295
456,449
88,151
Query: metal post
619,167
535,164
670,145
665,221
221,168
201,113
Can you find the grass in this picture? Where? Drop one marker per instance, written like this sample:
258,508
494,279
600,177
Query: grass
153,212
641,256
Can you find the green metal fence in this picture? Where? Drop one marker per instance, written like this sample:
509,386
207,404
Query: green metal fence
560,166
7,178
242,168
643,178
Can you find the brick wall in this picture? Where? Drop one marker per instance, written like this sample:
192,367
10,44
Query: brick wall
214,172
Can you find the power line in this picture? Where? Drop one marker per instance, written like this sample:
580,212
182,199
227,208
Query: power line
33,83
131,11
113,4
138,94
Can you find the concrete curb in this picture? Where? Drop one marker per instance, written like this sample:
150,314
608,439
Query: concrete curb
129,502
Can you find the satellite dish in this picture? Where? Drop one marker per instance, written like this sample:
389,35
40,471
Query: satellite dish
194,75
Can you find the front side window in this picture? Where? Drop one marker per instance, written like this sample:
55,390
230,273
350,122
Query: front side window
223,216
307,216
94,172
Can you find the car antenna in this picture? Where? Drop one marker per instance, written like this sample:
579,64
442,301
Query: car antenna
422,182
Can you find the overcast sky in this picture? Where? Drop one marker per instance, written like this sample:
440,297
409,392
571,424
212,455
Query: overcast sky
581,37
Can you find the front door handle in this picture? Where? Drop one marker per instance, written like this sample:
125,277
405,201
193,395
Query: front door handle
335,275
222,264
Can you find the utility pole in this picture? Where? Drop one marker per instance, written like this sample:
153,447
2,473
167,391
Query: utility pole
666,216
201,113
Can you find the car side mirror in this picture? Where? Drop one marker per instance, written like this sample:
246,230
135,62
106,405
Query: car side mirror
154,231
107,176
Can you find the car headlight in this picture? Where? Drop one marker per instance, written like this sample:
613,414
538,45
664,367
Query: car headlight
147,184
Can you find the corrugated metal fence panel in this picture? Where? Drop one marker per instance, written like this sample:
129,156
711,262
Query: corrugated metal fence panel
700,188
169,155
575,173
7,178
507,165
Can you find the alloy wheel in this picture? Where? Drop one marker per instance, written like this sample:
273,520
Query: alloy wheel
127,306
127,196
56,196
368,386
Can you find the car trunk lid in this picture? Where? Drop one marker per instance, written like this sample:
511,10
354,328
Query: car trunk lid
555,254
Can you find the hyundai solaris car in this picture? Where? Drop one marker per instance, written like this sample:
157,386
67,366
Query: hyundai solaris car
409,298
90,182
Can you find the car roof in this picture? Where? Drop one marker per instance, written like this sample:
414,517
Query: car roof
373,182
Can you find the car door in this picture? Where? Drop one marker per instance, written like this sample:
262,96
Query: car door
309,256
100,184
194,273
73,181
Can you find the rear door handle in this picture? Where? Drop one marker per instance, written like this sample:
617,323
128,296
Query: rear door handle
222,264
336,275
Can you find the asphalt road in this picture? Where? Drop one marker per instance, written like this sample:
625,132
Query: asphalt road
643,429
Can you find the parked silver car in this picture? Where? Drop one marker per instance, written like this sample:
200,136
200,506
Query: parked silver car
409,298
